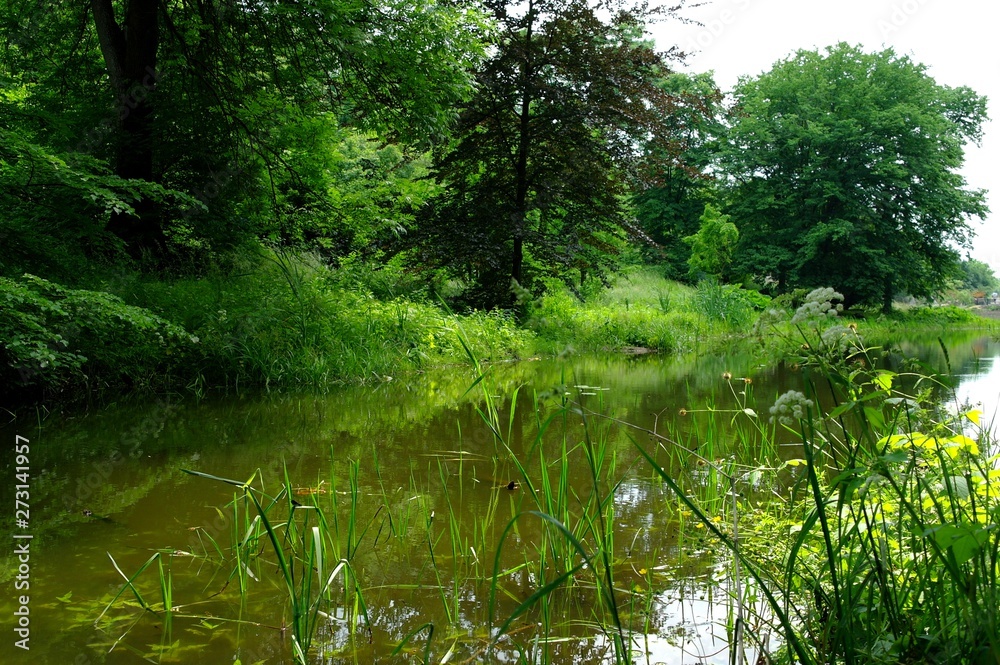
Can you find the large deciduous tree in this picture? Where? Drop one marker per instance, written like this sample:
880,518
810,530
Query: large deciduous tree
845,171
548,146
191,94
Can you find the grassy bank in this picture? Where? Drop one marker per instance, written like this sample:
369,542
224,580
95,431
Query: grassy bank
272,321
880,543
279,320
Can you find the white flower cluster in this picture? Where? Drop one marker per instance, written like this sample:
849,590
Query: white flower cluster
818,305
790,407
841,338
768,318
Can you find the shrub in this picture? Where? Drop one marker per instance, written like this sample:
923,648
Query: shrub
727,303
52,337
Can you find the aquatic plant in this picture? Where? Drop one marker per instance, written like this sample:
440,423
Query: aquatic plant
855,530
890,550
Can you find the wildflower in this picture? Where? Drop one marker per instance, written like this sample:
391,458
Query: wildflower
818,305
727,376
789,407
683,412
747,380
841,339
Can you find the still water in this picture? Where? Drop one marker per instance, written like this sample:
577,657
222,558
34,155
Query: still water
420,497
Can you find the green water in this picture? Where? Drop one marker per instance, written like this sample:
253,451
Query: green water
109,483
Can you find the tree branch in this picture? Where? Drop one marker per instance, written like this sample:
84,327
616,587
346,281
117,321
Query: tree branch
112,40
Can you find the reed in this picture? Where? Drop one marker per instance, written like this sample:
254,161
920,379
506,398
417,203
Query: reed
303,544
889,550
577,526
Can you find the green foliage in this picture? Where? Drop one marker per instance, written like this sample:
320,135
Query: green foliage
712,246
888,548
833,183
544,152
642,309
371,273
677,183
221,101
647,314
347,193
275,319
978,276
286,319
727,303
53,338
947,315
55,201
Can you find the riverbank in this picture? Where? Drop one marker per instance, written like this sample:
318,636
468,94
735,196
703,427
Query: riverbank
277,321
521,502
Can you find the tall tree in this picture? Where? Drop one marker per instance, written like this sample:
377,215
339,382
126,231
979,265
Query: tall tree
195,89
548,145
679,174
712,246
977,275
130,48
846,174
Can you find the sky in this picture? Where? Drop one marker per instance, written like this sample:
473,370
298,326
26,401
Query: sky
956,39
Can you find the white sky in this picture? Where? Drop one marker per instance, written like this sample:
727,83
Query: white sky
956,39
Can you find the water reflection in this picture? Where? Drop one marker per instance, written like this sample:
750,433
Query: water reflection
110,482
980,389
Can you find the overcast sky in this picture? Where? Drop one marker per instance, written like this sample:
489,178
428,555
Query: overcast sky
958,40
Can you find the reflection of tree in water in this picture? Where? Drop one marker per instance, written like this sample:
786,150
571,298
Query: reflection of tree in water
412,430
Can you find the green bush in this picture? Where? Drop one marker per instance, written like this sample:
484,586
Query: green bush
561,321
727,303
53,338
948,314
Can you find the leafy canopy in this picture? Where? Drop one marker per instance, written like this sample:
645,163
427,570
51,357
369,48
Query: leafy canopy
678,180
213,99
844,167
548,147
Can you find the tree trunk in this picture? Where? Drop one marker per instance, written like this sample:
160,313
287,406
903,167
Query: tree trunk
130,57
524,143
887,295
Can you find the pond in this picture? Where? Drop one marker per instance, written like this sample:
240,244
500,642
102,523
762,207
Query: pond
425,503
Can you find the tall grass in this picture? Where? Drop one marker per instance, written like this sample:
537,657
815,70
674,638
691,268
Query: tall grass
644,310
890,548
285,319
577,523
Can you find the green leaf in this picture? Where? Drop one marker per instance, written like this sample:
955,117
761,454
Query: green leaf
883,379
965,541
874,417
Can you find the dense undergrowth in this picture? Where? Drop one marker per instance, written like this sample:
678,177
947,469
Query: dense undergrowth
274,319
